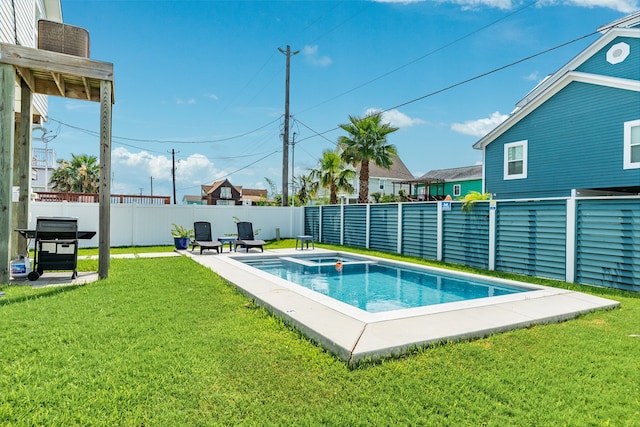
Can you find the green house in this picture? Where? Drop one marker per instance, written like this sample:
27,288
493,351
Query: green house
454,182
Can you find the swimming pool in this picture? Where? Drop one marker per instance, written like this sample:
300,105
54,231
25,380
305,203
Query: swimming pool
376,286
354,335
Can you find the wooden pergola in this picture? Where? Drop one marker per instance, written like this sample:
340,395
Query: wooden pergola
49,73
426,182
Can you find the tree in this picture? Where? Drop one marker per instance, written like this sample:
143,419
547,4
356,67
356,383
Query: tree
80,175
332,173
366,143
275,196
307,188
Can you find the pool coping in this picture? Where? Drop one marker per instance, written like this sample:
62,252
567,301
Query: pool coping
354,335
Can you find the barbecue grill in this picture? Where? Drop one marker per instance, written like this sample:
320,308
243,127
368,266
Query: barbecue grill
56,245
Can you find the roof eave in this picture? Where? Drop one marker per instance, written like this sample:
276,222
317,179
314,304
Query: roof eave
573,76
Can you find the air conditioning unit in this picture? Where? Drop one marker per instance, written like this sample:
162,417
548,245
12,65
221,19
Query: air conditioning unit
63,38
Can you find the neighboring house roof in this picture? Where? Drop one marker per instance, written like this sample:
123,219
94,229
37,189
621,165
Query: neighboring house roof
398,170
246,193
566,75
192,199
208,189
250,193
465,173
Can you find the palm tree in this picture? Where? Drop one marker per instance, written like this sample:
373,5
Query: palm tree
332,173
367,142
80,175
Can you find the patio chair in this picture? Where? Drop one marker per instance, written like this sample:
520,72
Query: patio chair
246,238
202,238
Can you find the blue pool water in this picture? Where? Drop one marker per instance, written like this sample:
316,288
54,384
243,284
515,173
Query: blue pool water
377,286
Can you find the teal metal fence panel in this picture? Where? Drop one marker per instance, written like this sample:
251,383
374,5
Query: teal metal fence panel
331,225
312,222
384,227
608,243
355,225
531,238
420,230
465,238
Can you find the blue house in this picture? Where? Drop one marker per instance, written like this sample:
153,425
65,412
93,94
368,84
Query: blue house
578,131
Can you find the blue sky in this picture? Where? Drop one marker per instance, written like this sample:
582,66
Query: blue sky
206,79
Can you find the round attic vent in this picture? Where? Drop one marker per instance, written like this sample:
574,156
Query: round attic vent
617,53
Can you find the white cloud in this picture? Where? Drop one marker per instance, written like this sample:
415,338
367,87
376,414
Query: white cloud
532,77
189,101
477,4
479,127
212,96
399,1
132,171
395,118
624,6
312,56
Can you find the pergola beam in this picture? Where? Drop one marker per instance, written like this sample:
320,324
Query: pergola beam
57,78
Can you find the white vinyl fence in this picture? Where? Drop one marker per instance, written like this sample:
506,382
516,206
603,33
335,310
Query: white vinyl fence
146,225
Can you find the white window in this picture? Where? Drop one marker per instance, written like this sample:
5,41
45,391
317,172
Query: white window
225,193
632,144
381,185
225,202
456,190
515,160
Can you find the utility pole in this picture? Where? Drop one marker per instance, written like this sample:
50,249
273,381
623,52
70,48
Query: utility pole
151,185
285,136
293,169
173,173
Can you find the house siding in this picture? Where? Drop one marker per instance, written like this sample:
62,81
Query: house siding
465,187
627,69
27,14
582,125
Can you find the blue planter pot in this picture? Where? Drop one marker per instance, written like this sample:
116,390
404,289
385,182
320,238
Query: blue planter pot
181,242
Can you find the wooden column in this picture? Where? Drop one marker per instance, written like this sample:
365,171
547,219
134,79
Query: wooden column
104,226
7,119
22,170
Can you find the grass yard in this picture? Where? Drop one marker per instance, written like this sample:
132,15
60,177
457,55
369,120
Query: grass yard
166,342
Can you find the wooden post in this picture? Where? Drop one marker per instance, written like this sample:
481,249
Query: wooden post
104,227
7,119
22,169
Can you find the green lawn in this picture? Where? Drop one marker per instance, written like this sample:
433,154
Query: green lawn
166,342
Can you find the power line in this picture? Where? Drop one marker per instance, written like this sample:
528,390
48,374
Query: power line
169,141
420,58
476,77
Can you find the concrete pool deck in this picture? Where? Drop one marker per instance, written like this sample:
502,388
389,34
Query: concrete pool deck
355,335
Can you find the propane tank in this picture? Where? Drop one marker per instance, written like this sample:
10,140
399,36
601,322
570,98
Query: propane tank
20,267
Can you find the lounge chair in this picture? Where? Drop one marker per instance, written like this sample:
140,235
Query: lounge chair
202,238
246,238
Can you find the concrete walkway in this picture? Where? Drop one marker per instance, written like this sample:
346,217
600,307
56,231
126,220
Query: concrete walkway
63,278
